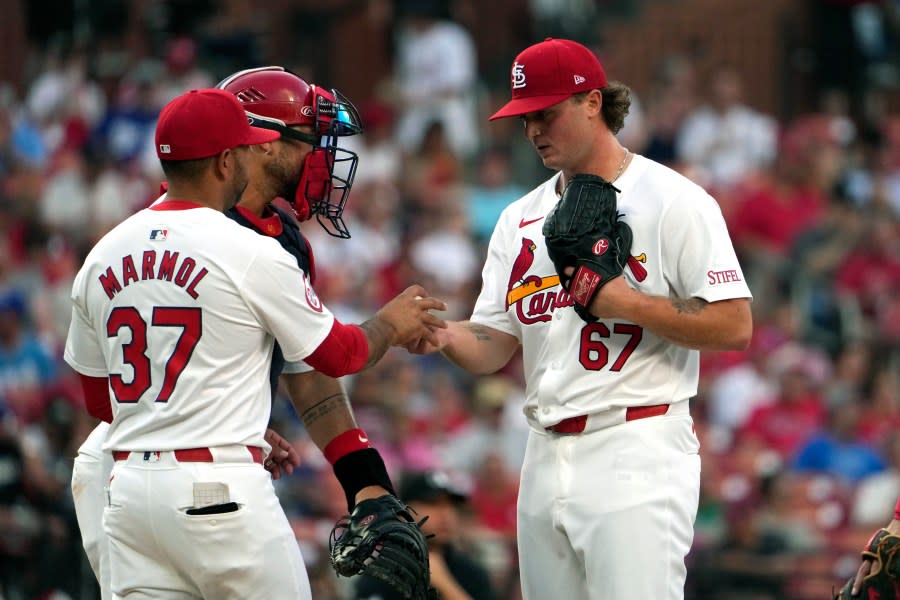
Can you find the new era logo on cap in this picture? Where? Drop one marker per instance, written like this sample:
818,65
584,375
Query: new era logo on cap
556,69
165,149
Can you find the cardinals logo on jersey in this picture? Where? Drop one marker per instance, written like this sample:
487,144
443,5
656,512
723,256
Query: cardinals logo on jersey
522,264
542,300
521,286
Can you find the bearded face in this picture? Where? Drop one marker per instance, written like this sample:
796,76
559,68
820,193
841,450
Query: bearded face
284,170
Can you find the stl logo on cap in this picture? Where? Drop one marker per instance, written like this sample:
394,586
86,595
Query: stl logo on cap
557,69
518,76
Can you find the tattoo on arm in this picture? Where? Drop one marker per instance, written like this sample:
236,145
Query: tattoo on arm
689,306
323,408
380,335
480,332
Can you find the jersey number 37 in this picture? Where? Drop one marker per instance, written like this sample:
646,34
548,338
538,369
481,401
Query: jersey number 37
134,353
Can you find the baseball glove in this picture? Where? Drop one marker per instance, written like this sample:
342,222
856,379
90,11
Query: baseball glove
883,580
584,232
382,539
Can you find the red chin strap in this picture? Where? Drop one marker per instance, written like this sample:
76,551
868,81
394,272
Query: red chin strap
315,183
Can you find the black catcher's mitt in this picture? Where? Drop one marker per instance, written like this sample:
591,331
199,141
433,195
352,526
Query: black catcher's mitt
584,231
382,539
883,580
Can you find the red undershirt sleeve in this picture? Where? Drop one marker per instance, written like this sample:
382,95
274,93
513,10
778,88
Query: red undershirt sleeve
345,350
96,397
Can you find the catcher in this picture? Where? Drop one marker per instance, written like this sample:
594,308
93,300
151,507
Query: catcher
380,537
878,576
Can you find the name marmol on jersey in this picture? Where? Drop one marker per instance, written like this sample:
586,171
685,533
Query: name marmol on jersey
171,267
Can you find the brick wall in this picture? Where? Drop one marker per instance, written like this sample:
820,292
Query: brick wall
12,32
751,35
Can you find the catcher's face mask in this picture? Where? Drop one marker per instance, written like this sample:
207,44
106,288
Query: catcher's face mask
276,99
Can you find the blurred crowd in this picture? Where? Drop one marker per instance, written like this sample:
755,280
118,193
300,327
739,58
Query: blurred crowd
800,434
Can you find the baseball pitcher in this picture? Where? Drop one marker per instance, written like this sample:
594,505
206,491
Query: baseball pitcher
611,276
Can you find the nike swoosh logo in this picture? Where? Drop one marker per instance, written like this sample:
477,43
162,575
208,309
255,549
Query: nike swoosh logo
364,440
524,223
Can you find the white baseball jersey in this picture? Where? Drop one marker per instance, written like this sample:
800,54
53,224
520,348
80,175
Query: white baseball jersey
681,249
180,306
290,367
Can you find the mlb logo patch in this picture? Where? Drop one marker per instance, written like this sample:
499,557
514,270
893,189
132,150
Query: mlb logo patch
159,235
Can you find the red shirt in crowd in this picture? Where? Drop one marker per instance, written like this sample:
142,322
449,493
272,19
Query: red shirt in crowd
774,217
496,509
784,427
870,275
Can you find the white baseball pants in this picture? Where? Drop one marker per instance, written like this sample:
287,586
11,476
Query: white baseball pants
609,514
158,551
90,475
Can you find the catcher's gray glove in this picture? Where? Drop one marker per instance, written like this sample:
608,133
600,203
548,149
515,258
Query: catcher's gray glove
584,232
883,580
382,539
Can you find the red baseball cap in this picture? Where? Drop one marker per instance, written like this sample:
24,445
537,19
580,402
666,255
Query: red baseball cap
203,123
549,72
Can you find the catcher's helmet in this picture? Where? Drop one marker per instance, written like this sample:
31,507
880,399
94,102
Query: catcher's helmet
277,99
